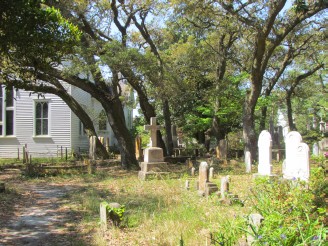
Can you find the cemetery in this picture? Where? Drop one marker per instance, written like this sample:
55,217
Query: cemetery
163,123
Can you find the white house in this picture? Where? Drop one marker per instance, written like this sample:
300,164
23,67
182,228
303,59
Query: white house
46,124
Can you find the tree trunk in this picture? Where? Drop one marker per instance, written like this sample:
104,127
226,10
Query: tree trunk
249,123
116,119
167,121
291,124
86,121
264,111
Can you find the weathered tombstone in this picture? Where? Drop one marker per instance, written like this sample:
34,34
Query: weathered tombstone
174,136
224,190
204,186
211,173
254,221
153,163
265,153
203,177
187,185
248,162
138,143
103,216
92,148
297,157
315,149
222,149
192,171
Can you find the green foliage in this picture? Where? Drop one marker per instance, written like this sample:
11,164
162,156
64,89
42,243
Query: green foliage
34,33
312,136
293,211
117,212
229,232
290,214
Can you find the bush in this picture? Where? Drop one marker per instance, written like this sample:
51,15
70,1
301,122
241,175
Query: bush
293,211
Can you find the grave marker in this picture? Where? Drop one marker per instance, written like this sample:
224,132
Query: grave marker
297,157
265,153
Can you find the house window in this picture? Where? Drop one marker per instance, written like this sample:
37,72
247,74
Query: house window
41,118
102,121
7,115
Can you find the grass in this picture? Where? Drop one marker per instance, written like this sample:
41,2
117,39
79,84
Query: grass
158,212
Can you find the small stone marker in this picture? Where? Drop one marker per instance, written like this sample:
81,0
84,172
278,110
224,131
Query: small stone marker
103,216
92,148
265,153
139,154
224,186
255,221
211,174
192,171
187,185
248,162
315,149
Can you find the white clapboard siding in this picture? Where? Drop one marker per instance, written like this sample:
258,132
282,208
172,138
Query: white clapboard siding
59,128
79,142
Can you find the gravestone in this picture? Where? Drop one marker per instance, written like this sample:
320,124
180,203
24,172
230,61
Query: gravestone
92,147
222,149
103,216
224,190
153,164
211,173
202,177
297,157
254,222
192,171
315,149
204,186
248,162
265,153
138,142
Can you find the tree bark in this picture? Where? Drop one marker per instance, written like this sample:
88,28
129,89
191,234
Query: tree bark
115,115
167,121
291,124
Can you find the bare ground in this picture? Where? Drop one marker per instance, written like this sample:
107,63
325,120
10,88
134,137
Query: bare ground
34,213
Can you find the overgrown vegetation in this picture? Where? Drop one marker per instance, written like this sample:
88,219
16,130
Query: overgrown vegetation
294,213
163,212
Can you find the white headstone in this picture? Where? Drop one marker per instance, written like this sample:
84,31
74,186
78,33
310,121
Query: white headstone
297,157
265,153
248,161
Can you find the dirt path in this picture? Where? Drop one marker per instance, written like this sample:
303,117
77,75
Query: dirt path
41,220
